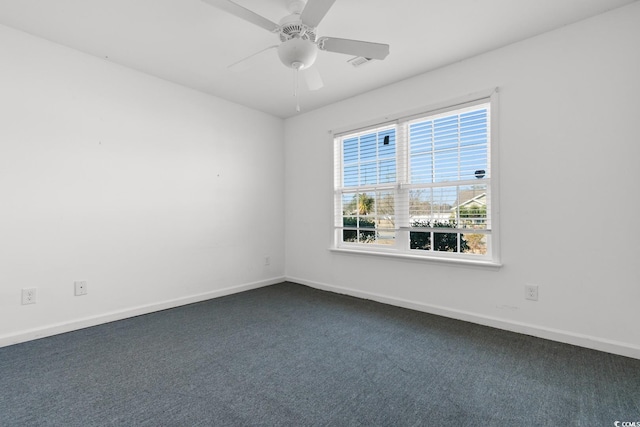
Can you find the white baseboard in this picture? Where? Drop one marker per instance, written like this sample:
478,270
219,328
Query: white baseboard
99,319
595,343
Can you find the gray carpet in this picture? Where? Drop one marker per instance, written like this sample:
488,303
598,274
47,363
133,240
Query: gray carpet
294,356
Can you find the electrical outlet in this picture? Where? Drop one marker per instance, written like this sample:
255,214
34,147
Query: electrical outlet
29,296
267,260
80,288
531,292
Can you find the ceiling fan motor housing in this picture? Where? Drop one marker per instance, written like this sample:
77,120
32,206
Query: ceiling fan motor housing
291,26
297,30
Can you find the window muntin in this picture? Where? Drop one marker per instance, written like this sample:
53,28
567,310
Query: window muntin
420,186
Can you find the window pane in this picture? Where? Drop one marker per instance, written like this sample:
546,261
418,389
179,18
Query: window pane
444,199
420,240
422,168
387,171
420,205
446,165
445,242
386,236
471,207
445,132
364,222
350,150
473,135
368,174
367,236
473,159
366,204
385,203
350,178
349,236
350,204
473,127
474,243
368,147
387,144
421,137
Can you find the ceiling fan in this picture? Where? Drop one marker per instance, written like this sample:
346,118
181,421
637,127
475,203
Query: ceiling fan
299,42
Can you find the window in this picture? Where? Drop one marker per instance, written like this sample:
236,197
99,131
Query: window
419,186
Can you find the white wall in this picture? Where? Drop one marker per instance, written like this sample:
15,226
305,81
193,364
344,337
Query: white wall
569,148
154,194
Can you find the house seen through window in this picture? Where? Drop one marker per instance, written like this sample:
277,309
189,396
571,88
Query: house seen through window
420,186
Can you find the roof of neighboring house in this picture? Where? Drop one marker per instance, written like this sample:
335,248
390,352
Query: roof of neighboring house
470,197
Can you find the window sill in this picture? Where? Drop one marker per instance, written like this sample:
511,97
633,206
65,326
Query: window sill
460,262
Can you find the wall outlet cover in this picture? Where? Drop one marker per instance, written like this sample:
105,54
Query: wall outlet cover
29,296
80,287
531,292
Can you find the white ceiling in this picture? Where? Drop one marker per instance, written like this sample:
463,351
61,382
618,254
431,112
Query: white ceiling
191,43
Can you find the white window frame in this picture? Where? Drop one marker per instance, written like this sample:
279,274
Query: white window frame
402,186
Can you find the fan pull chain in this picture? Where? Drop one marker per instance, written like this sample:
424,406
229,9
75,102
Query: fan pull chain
296,89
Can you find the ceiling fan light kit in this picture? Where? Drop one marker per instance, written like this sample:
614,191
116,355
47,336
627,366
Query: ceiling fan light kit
297,53
297,32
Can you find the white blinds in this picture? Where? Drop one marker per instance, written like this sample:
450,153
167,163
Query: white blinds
449,167
404,182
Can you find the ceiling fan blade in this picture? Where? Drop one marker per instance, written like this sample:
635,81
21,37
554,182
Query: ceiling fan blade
354,47
244,13
246,63
314,11
312,78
